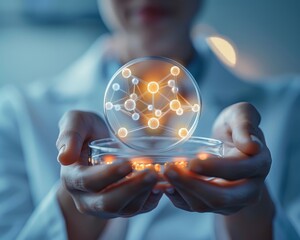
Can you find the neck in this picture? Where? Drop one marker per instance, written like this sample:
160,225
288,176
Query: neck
130,47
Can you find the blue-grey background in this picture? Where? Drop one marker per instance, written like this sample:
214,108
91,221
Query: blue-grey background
40,38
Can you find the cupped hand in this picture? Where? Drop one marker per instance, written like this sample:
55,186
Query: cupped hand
106,191
237,178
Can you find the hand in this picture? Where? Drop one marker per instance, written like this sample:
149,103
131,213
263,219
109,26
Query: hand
239,175
104,191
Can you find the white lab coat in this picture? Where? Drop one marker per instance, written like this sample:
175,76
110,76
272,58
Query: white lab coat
29,171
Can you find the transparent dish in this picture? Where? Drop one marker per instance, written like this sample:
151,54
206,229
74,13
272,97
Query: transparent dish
106,151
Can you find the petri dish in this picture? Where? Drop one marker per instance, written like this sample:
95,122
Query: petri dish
106,151
152,97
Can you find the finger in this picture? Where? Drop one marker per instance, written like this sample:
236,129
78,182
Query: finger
178,201
184,199
115,199
216,197
233,168
152,202
94,178
145,202
76,130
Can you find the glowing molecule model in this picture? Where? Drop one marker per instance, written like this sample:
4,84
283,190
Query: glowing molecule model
150,97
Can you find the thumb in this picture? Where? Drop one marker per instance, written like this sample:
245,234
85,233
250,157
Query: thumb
239,124
76,129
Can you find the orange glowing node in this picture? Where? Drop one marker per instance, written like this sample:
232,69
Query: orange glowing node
153,87
183,132
122,132
108,159
203,156
175,71
175,105
182,164
157,167
153,123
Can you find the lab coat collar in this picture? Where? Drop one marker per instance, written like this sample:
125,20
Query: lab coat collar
83,76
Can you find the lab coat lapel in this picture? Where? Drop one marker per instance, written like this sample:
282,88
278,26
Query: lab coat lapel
82,81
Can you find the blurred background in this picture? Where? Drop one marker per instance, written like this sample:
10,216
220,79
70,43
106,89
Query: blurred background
39,38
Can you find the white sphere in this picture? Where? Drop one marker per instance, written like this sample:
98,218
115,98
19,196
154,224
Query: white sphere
135,116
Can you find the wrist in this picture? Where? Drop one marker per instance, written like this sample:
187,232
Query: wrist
78,225
252,222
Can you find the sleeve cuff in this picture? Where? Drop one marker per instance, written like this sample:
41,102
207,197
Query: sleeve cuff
282,227
47,221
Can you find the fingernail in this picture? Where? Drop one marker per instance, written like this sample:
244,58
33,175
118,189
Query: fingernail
257,140
170,190
172,174
156,191
61,150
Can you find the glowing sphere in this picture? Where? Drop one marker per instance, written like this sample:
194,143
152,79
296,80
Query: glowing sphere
152,96
126,73
109,106
153,123
133,96
175,71
179,111
175,104
183,132
150,107
171,83
129,104
175,90
158,113
116,87
135,116
153,87
196,108
135,81
122,132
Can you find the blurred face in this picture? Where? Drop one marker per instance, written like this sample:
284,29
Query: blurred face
151,19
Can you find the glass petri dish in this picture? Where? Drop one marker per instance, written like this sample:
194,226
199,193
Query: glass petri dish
106,151
152,97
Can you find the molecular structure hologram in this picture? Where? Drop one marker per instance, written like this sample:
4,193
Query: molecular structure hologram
135,106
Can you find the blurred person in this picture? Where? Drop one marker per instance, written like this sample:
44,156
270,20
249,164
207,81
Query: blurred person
35,204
